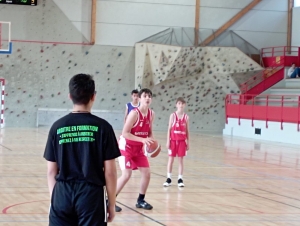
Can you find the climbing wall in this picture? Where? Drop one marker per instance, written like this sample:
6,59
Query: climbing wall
41,79
47,52
202,75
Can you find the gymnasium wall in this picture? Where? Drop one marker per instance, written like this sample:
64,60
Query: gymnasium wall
135,20
38,71
37,74
296,27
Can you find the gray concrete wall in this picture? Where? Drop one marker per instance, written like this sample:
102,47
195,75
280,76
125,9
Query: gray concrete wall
38,71
37,75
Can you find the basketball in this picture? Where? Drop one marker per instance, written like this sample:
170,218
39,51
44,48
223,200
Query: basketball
153,149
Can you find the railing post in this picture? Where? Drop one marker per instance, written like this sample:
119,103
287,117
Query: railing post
298,56
241,96
272,51
281,126
267,107
226,105
252,111
298,114
284,61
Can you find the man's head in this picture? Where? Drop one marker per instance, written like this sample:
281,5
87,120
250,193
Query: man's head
180,103
81,89
293,65
145,96
135,96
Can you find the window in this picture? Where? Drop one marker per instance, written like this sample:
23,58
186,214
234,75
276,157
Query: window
296,3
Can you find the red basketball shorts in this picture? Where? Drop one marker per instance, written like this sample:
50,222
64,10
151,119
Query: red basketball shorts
133,156
177,148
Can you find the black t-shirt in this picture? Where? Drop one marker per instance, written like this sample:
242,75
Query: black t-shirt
80,143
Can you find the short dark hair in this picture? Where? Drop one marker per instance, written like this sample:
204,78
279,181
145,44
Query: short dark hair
181,100
134,91
81,88
146,91
293,63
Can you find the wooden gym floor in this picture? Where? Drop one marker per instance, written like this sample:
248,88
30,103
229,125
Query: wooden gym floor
229,181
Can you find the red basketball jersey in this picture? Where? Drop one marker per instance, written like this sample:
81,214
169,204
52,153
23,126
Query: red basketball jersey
178,129
141,127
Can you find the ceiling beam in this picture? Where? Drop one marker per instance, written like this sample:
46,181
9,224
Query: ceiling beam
229,23
197,22
289,25
93,22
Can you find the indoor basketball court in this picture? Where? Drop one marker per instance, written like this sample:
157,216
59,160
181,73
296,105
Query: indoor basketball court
242,166
228,182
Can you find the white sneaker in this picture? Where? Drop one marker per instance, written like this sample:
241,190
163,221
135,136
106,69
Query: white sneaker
168,182
180,183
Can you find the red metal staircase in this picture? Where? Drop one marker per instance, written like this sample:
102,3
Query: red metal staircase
278,108
275,59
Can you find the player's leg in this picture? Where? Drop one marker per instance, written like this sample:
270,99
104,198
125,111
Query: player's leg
90,204
181,153
172,154
169,170
61,210
145,180
180,172
125,166
141,161
123,179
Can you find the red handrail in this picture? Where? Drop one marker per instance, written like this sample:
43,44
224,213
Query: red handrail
277,108
279,49
259,77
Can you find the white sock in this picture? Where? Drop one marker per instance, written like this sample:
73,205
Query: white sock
179,177
169,175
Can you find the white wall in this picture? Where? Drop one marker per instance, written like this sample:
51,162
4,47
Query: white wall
265,25
289,133
296,27
124,22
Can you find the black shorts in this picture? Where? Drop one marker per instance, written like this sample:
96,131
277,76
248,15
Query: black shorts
77,203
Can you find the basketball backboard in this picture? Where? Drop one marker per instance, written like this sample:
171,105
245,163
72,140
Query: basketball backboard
5,38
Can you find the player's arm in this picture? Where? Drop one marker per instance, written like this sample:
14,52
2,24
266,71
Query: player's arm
187,133
151,126
169,131
126,113
131,119
110,172
52,171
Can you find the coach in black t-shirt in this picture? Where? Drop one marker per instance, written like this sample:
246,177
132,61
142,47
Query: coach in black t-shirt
81,151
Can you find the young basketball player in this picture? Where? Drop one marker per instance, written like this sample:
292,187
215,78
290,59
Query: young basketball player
177,140
137,131
133,104
81,151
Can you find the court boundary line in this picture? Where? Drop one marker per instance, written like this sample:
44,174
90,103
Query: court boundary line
144,215
278,194
266,198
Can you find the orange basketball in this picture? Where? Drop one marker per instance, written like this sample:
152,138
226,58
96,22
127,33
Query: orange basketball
153,149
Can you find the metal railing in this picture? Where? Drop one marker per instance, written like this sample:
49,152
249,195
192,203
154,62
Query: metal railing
260,77
285,55
185,37
277,108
